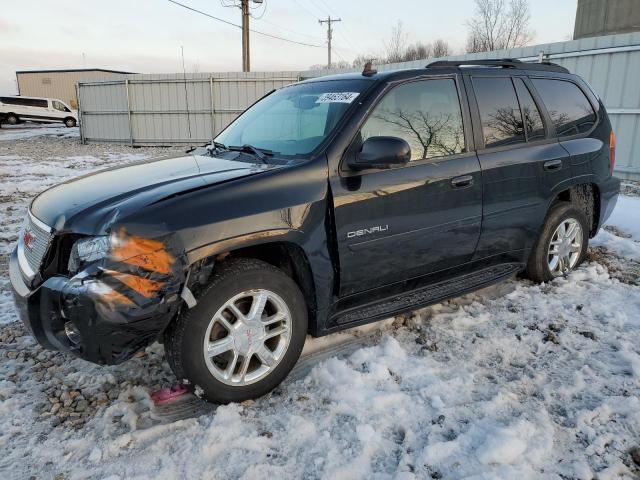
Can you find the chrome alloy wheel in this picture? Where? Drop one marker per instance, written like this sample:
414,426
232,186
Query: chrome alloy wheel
247,337
565,247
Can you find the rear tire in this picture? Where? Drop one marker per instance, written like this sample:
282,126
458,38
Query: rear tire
562,244
70,122
12,119
244,335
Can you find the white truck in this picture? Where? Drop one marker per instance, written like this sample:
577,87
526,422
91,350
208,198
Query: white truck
14,109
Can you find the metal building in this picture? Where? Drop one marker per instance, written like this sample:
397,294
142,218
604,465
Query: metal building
60,84
606,17
170,109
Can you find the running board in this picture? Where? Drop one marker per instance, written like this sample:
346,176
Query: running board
422,297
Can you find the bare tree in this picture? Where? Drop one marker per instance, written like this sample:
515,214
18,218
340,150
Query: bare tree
440,49
417,51
398,49
498,25
396,46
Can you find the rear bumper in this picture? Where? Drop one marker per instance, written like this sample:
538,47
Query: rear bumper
609,191
109,333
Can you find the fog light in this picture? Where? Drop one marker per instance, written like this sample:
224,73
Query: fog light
72,333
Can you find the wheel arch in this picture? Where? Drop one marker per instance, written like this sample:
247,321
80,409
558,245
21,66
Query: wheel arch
585,196
285,255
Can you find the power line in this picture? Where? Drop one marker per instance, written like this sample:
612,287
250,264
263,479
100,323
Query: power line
306,9
238,26
325,10
263,11
280,27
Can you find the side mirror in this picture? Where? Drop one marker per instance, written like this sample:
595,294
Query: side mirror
381,152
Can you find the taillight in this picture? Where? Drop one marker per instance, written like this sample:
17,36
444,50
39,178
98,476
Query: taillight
612,151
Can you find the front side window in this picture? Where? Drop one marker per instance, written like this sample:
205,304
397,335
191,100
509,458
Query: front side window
499,111
570,110
425,113
294,120
59,106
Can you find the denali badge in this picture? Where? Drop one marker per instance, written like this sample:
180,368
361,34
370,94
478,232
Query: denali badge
367,231
28,239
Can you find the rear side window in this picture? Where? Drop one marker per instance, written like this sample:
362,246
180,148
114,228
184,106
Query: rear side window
532,118
27,102
425,113
570,110
499,111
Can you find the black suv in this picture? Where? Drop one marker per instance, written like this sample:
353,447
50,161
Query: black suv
329,203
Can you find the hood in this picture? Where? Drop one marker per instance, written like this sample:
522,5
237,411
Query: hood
83,204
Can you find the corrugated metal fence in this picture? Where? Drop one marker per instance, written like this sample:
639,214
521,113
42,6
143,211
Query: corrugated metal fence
170,109
152,109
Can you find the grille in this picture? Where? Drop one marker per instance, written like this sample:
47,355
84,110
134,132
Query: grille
38,236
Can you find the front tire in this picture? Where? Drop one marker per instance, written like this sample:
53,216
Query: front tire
243,337
70,122
562,245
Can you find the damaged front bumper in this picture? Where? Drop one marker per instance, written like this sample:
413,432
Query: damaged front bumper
107,312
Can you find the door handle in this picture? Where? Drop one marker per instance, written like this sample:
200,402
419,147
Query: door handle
553,164
463,181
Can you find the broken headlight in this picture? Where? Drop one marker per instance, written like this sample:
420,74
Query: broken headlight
88,250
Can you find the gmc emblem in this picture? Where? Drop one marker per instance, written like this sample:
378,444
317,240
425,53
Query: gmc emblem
28,239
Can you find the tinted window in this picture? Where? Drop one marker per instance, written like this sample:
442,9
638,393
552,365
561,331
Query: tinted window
11,101
27,102
39,103
426,114
568,107
499,111
532,118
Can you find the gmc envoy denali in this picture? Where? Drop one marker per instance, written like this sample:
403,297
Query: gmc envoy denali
329,203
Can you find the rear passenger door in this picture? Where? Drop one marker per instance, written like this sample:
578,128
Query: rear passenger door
520,159
573,116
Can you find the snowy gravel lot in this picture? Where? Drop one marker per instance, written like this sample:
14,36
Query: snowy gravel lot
516,381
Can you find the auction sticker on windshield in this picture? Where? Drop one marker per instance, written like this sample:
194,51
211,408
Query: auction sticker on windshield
337,97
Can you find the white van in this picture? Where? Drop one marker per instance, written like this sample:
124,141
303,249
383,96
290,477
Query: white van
14,109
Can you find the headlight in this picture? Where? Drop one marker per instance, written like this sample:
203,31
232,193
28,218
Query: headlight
88,250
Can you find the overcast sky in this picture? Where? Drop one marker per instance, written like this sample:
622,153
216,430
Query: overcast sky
146,35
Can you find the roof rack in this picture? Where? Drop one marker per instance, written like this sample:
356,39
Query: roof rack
502,62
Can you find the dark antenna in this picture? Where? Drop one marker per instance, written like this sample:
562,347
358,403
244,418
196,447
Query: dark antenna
186,97
368,71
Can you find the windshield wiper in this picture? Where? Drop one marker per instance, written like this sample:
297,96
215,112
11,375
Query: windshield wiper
258,152
214,147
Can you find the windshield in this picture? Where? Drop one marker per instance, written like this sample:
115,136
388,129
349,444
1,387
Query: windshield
295,119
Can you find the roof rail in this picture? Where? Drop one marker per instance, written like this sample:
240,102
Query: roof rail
502,62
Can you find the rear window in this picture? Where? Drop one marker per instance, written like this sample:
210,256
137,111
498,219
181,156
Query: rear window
499,111
569,108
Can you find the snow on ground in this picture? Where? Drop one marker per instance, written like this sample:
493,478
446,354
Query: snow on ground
30,130
515,381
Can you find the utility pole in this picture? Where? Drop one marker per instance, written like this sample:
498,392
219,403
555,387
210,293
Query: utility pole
329,34
246,63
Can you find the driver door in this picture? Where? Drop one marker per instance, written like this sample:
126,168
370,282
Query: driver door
418,218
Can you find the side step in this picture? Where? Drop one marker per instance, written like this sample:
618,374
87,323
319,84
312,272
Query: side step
428,295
